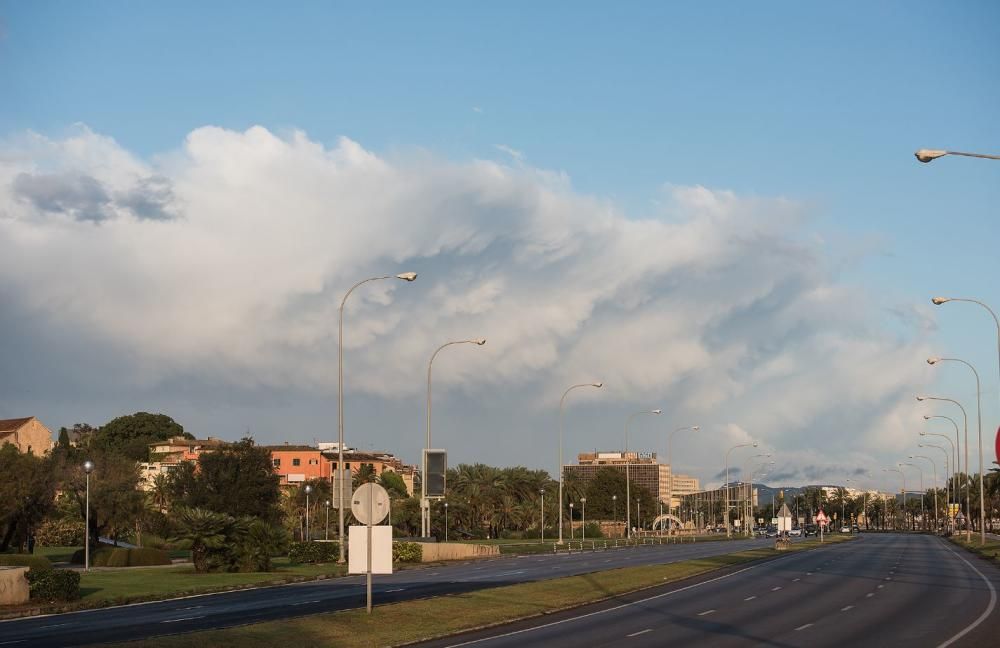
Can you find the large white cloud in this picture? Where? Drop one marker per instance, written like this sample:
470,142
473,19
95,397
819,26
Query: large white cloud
226,260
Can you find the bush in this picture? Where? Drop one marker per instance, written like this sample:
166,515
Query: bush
121,557
102,551
407,552
54,585
593,531
313,552
60,533
34,563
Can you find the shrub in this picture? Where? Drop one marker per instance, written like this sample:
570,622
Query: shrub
121,557
34,563
102,550
54,585
60,533
407,552
313,552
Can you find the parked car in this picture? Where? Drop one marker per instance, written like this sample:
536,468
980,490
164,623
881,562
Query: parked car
845,529
810,530
795,533
772,532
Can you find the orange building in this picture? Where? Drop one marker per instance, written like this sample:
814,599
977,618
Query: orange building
297,464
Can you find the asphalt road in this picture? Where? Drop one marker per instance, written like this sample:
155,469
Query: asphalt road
881,590
205,612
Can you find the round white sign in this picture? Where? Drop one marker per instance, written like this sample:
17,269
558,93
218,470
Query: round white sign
370,504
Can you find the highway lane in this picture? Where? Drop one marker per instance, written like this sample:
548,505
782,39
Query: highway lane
881,590
263,604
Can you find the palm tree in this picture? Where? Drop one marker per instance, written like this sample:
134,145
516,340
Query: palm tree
201,531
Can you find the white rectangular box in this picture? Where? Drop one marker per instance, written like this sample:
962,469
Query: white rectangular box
357,555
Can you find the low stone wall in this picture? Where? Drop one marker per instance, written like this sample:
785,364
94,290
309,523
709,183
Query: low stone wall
13,585
435,551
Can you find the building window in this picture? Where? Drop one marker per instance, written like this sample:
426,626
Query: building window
347,466
276,463
314,462
296,461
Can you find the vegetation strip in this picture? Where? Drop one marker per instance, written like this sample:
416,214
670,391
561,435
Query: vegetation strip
989,551
430,618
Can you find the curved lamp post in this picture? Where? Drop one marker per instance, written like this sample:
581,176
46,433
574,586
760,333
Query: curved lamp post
729,531
965,418
308,489
934,467
923,520
929,155
749,506
947,490
88,467
979,418
955,447
670,460
628,489
424,506
405,276
904,490
598,385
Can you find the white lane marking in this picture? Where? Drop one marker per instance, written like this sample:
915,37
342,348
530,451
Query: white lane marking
880,586
54,625
183,619
796,580
846,608
749,598
775,589
193,607
618,607
887,578
636,634
869,594
809,573
705,612
398,589
989,608
803,627
303,603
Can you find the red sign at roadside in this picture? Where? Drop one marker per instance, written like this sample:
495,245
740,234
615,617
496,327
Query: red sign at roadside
821,518
998,445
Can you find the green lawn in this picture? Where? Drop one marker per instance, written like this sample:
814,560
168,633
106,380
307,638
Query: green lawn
56,554
135,584
400,623
989,551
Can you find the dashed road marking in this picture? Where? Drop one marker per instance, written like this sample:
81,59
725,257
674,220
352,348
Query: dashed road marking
869,594
749,598
846,608
803,627
705,612
304,602
398,589
775,589
183,619
636,634
880,586
796,580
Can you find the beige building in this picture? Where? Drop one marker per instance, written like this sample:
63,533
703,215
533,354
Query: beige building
643,468
28,434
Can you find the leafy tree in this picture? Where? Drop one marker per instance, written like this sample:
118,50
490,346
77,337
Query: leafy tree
131,435
237,480
63,438
116,503
394,484
364,474
201,531
26,499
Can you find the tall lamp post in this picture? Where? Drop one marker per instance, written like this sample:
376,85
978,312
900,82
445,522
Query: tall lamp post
670,460
446,521
614,508
725,509
405,276
923,519
598,385
570,521
425,509
947,489
88,467
979,416
929,155
583,523
327,535
954,459
965,418
542,525
749,505
904,489
628,479
934,467
308,489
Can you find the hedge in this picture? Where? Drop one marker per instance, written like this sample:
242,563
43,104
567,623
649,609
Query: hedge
313,552
407,552
54,585
77,557
141,557
60,533
34,563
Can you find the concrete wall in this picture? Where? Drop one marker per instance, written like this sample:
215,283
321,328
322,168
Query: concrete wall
435,551
13,585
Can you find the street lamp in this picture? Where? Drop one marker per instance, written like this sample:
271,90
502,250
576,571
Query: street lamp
628,490
327,536
928,155
923,520
570,521
670,461
446,521
405,276
542,525
308,489
965,418
614,507
726,507
934,466
88,467
598,385
425,509
904,489
583,527
979,418
749,506
954,457
937,301
948,487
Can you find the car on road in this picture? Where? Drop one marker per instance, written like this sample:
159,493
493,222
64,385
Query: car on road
772,532
810,530
845,529
795,533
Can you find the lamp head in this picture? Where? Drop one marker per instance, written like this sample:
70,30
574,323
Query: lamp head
597,384
926,418
308,489
926,155
921,398
407,276
327,503
933,360
755,444
695,427
656,411
937,301
479,341
88,466
583,499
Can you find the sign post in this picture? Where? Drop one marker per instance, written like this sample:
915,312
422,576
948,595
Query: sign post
370,505
821,520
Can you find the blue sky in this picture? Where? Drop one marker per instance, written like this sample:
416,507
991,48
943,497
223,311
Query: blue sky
820,105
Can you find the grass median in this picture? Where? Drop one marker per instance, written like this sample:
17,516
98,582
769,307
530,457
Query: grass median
990,551
410,621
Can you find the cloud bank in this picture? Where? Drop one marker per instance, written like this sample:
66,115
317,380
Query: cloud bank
224,262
